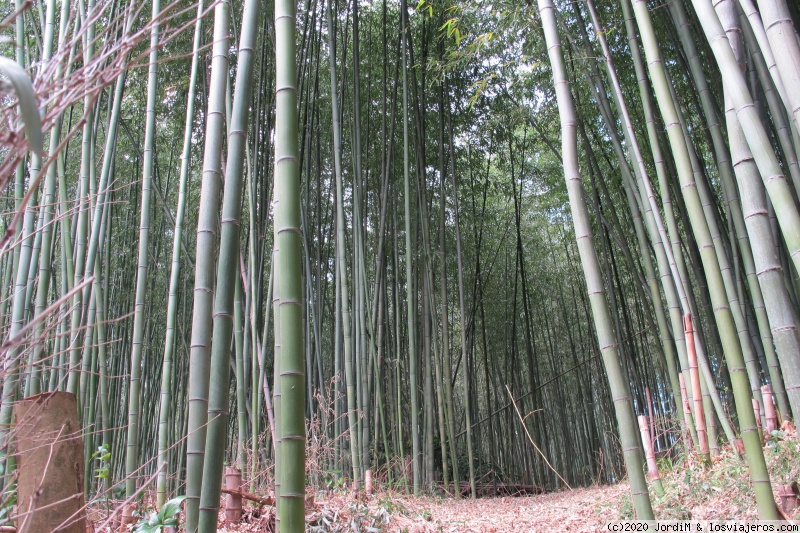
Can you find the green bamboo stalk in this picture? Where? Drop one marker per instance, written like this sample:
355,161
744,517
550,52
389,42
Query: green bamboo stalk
262,385
782,37
410,310
756,25
783,124
428,378
722,312
341,251
48,198
462,327
172,300
782,314
227,274
777,187
730,192
240,348
288,283
277,388
608,345
446,362
87,164
199,358
132,449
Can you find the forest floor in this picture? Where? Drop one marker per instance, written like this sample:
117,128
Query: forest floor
584,509
692,490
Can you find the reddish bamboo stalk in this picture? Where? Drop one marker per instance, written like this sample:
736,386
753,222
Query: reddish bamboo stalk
652,416
697,395
687,411
647,444
757,411
368,482
769,410
233,503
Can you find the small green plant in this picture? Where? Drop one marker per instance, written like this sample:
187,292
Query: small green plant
103,458
334,480
626,507
774,440
392,506
166,517
7,503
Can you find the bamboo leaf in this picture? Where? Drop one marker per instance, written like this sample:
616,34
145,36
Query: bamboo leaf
170,509
23,88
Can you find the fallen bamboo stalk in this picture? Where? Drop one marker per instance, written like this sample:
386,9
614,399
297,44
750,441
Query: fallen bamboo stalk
251,497
522,421
498,488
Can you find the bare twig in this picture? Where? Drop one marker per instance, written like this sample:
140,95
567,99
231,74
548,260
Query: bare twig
522,420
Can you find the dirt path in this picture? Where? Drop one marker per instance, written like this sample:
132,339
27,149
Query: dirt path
577,510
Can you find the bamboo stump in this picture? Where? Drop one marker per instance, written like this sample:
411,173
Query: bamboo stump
49,451
233,503
368,482
127,516
789,497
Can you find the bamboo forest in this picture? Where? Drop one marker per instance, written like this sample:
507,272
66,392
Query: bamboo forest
334,265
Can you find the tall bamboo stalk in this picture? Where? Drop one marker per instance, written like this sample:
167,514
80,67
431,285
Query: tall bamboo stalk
227,273
200,354
132,449
591,268
774,181
782,36
780,310
288,285
410,308
170,339
341,246
722,312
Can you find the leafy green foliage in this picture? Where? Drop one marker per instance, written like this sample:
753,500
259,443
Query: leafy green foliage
167,516
103,458
334,479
